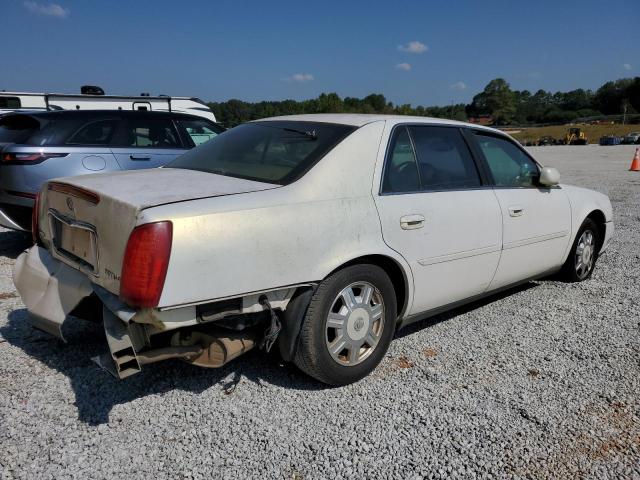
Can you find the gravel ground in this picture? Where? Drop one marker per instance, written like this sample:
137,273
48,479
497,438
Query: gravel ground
541,382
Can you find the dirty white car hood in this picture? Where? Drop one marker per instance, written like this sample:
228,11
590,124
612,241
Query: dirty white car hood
159,186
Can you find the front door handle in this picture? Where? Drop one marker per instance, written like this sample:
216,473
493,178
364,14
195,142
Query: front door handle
140,157
516,211
411,222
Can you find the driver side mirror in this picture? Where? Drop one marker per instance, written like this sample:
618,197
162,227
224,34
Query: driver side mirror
549,177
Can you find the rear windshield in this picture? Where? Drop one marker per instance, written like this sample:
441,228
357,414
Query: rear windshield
272,151
17,128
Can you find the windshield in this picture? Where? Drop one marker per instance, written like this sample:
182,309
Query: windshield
272,151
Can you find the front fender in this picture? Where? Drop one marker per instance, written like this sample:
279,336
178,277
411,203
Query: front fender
583,203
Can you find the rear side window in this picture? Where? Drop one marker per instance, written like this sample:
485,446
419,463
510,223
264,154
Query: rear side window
199,131
10,102
94,133
444,160
17,128
401,170
509,165
146,132
54,130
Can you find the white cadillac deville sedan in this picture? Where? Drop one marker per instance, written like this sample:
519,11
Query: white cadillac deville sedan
320,234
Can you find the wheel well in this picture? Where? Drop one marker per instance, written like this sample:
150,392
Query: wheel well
391,268
598,217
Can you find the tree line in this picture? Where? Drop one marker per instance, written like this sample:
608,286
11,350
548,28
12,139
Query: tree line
497,104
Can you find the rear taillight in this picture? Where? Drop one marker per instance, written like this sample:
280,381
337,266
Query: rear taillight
29,158
34,220
144,268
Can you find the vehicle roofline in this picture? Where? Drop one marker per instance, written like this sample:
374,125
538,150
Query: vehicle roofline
85,95
360,120
93,112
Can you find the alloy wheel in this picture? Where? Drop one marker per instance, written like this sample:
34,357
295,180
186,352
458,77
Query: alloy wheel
354,323
584,256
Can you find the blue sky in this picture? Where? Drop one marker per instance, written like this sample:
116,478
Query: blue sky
419,52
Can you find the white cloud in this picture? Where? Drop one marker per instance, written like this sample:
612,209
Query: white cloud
458,86
626,66
299,77
404,66
50,9
413,47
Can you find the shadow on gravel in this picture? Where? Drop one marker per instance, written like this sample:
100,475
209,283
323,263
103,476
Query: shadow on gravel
448,315
97,392
13,243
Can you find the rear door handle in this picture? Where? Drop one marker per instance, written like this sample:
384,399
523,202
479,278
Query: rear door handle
411,222
516,211
140,157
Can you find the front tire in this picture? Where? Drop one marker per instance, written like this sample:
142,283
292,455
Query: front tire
584,253
348,326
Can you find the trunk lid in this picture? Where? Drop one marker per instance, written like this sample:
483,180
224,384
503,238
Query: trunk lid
85,221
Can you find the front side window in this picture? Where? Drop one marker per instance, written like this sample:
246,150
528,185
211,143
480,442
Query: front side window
401,169
444,160
509,165
94,133
149,132
199,131
268,151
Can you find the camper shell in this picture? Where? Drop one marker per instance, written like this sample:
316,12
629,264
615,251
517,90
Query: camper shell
93,98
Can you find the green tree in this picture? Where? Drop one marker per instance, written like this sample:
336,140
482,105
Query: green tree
609,97
576,99
405,109
633,93
330,103
498,100
377,102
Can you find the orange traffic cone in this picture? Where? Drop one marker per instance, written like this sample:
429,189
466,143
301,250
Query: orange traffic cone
635,163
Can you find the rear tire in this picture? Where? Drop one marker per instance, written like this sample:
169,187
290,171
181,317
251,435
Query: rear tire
348,326
584,253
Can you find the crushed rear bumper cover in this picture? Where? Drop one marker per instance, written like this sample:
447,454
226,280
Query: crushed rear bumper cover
51,290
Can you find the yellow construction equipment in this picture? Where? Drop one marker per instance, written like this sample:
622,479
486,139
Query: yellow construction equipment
575,136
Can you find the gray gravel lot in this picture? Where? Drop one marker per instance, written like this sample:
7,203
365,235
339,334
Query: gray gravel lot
541,382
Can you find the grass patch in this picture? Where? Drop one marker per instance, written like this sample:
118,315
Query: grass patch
593,132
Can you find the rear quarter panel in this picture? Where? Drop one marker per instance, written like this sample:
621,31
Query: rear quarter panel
237,244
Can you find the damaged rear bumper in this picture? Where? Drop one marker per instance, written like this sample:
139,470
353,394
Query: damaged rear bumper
51,290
